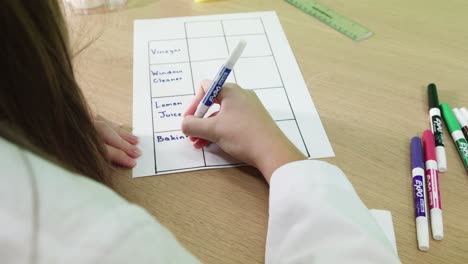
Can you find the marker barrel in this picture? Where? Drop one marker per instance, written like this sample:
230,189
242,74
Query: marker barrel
457,135
432,178
212,92
422,228
435,204
462,120
419,191
462,146
436,127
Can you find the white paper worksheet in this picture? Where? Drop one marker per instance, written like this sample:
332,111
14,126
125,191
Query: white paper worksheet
172,56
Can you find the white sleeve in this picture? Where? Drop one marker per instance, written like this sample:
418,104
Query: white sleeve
317,217
50,215
140,239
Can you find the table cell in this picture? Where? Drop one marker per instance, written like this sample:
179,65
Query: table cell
276,103
168,112
168,51
174,151
207,48
199,29
243,26
259,72
291,130
171,79
257,45
214,156
207,70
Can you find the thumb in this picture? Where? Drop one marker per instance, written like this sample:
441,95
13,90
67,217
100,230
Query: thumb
199,127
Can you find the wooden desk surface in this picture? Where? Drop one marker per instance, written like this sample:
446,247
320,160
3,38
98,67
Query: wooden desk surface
371,97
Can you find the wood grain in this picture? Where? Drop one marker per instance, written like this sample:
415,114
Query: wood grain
371,97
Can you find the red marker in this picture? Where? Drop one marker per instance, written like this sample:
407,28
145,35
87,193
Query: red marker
432,176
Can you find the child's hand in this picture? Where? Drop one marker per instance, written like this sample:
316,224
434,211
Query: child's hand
242,128
120,145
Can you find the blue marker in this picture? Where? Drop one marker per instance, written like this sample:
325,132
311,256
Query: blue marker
419,188
219,80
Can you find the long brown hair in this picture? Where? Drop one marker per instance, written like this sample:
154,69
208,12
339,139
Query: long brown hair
41,106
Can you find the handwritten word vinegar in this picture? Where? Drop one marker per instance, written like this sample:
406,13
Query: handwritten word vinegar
167,51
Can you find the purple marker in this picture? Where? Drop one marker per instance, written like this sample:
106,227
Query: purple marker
419,188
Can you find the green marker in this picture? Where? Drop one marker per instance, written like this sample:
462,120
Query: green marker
456,132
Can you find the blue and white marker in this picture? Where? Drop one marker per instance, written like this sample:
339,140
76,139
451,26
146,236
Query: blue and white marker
219,80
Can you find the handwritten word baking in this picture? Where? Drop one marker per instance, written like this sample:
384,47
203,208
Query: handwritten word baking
169,138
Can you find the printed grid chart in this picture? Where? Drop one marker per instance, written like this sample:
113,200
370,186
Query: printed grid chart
173,55
177,66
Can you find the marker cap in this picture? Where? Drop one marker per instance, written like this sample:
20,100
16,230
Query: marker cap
235,54
437,224
449,118
465,112
201,110
460,117
433,98
416,153
422,233
441,158
429,145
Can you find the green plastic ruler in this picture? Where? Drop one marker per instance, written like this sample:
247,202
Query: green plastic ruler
342,24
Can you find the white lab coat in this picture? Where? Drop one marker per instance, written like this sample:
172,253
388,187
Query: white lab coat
49,215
